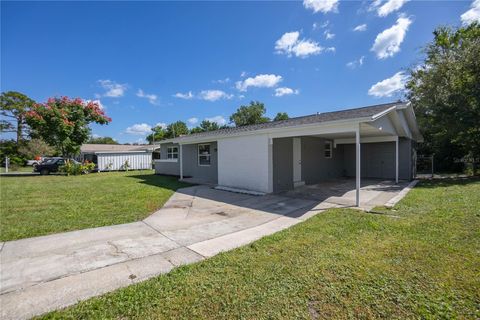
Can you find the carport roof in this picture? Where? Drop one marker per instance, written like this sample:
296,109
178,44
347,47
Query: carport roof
349,114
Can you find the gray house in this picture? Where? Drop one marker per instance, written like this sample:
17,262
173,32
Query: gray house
370,142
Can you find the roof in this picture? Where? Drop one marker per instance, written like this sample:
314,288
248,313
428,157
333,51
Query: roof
94,148
348,114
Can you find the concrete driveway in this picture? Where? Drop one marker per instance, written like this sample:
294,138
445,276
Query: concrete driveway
46,273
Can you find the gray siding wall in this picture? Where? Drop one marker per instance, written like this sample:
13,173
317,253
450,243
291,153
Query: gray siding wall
378,160
282,164
170,168
315,167
191,167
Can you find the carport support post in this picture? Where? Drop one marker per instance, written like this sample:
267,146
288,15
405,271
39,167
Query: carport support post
181,162
396,159
357,161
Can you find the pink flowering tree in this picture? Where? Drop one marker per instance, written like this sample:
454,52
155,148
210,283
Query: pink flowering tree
64,123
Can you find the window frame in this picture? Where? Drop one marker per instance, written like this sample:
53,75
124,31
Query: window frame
209,156
172,154
329,149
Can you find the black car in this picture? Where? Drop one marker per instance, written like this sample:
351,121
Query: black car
50,165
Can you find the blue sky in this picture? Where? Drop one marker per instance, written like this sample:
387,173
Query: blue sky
158,62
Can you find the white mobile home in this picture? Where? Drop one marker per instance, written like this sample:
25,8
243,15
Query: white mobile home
112,157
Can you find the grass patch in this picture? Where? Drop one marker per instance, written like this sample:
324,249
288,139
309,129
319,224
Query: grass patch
39,205
339,264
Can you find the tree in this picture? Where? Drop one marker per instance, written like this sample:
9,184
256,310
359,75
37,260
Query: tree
13,106
63,122
158,133
251,114
176,129
281,116
35,148
205,126
445,93
102,140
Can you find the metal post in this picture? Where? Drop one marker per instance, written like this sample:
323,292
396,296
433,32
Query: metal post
358,181
181,162
396,160
7,160
432,164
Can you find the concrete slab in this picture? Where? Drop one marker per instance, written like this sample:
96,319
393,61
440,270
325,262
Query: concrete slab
46,273
237,239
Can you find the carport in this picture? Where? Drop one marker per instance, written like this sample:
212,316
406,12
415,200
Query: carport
378,147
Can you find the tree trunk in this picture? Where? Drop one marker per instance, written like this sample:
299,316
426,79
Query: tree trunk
19,128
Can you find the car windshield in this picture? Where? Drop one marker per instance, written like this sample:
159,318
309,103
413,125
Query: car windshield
47,161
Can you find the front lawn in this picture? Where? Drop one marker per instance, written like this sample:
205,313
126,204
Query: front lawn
420,261
39,205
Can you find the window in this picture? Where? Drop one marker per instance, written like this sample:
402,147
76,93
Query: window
172,153
328,149
203,154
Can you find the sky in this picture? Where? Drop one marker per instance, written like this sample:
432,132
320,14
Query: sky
153,63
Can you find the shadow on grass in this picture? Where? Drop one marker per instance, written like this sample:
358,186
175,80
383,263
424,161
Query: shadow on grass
162,181
447,182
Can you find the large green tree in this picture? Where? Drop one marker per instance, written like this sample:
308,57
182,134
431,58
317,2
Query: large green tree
158,133
281,116
35,148
205,126
64,123
176,129
254,113
13,106
445,93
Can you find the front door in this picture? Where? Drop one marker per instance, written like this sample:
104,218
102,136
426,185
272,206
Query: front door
297,162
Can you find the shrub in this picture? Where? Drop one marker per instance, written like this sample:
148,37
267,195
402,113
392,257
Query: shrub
71,168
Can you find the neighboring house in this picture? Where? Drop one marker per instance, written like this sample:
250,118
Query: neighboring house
371,142
109,157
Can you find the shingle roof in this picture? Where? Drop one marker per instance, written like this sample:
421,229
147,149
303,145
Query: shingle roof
356,113
91,148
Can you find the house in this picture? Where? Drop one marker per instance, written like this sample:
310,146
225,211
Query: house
370,142
110,157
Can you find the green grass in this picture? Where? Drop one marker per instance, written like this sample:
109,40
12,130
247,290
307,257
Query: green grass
39,205
17,169
340,264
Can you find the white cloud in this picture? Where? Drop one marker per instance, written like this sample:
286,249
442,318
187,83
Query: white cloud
284,91
316,26
243,74
112,89
152,98
222,81
218,120
290,44
390,86
162,125
213,95
186,96
384,8
360,28
330,49
473,14
96,136
387,43
140,129
321,5
328,35
259,81
356,63
192,121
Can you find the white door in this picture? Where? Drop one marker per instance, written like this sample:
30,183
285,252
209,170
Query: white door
297,162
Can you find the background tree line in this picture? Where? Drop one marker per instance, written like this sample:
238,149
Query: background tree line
444,91
254,113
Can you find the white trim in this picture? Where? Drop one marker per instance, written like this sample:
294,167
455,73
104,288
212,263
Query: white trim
365,140
172,153
166,160
181,161
358,167
209,154
329,142
108,152
396,159
384,112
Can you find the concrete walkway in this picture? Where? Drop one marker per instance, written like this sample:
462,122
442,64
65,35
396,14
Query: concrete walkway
46,273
